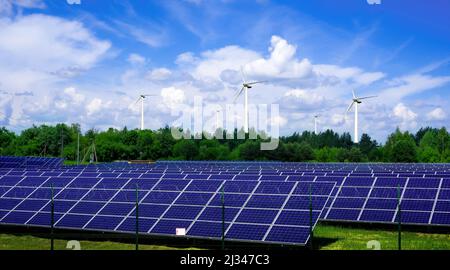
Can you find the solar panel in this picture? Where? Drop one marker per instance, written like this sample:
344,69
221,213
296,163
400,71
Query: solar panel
264,201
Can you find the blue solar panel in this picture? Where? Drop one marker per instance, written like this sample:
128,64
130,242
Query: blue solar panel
382,203
348,202
441,218
239,186
104,223
359,181
73,221
17,217
297,218
414,217
415,193
288,234
163,197
117,209
204,185
94,195
207,229
342,214
43,219
247,232
150,210
257,216
266,201
354,192
129,225
86,208
8,204
443,206
419,205
18,192
377,215
169,226
129,196
275,188
230,199
303,202
173,185
444,194
182,212
423,183
194,198
215,214
32,205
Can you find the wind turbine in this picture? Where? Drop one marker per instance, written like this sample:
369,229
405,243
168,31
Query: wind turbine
356,101
315,123
141,98
245,87
218,125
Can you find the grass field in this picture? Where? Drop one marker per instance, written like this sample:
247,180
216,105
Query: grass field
326,237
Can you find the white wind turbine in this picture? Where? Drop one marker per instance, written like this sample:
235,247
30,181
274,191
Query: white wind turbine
245,86
356,101
141,98
315,123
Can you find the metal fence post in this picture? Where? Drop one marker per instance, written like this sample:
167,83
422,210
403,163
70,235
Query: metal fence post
52,219
137,217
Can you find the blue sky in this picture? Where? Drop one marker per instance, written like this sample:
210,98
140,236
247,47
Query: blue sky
87,63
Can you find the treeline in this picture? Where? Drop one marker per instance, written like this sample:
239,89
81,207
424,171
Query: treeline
427,145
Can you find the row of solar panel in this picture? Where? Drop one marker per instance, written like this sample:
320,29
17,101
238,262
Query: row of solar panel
362,185
264,217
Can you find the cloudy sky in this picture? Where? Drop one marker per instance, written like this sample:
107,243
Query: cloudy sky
86,61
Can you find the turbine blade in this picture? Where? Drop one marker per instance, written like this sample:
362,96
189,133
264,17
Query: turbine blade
257,82
367,97
350,107
243,75
353,92
238,94
137,100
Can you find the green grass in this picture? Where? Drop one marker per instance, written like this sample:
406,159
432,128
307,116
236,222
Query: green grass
326,237
27,242
343,238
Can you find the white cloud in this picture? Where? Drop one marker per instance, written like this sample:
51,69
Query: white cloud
7,6
279,121
172,97
213,63
281,62
33,50
437,114
159,74
353,74
411,84
406,116
96,105
136,59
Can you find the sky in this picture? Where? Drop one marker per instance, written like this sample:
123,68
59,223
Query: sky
87,62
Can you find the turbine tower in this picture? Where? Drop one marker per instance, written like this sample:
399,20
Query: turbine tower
245,87
141,98
315,124
355,101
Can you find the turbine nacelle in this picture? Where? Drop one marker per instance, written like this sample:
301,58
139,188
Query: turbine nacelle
356,101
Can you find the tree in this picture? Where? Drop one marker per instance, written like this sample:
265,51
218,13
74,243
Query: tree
404,151
185,149
389,152
355,155
428,154
366,145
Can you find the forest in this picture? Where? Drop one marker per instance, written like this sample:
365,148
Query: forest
427,145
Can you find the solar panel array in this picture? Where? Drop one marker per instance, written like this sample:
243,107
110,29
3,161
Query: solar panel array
261,209
264,201
29,162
